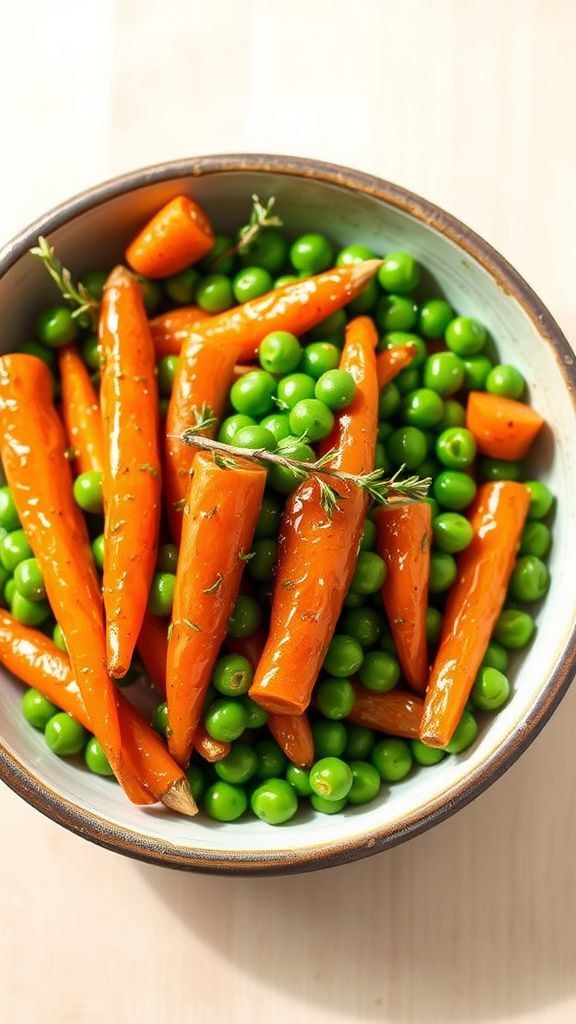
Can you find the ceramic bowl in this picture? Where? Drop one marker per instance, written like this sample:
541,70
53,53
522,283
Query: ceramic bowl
92,230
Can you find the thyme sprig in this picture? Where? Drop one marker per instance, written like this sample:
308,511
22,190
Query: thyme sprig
261,217
76,295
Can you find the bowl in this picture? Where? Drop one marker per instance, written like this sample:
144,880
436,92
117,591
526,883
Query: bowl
93,230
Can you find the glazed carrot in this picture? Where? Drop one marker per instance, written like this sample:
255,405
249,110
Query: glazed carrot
80,411
178,235
132,498
403,541
396,713
204,376
220,517
169,330
36,661
473,605
295,307
210,749
317,555
391,361
32,446
502,427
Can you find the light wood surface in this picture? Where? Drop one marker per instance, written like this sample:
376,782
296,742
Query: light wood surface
470,103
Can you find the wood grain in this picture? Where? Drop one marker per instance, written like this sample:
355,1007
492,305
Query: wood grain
471,104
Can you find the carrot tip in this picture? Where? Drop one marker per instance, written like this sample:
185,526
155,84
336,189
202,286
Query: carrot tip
179,798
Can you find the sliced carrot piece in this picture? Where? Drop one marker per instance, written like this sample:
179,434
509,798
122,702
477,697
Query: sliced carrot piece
502,427
178,235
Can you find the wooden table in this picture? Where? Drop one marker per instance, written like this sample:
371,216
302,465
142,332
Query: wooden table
471,104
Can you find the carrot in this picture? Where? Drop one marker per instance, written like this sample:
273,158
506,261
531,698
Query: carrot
295,307
203,378
169,330
178,235
391,361
210,749
502,427
32,446
36,661
473,605
80,411
132,493
396,713
403,541
220,517
317,555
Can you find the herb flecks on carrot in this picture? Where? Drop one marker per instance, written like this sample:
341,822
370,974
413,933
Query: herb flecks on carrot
502,427
132,470
81,411
220,516
177,236
396,713
473,605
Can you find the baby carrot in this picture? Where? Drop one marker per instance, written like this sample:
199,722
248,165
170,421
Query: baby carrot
391,361
80,411
178,235
396,713
317,554
220,517
473,605
169,330
295,307
32,446
203,378
132,498
210,749
502,427
36,660
403,541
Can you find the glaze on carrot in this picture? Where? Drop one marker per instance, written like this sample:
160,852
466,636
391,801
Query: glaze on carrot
222,508
473,605
502,427
35,660
178,235
392,361
317,555
132,485
295,307
403,537
169,330
80,411
396,713
32,447
204,377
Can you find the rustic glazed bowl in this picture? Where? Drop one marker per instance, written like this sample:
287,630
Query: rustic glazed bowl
92,230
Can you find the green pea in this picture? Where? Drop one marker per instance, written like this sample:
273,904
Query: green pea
311,253
379,672
331,778
426,756
407,447
399,273
506,380
320,357
335,698
331,328
456,448
464,735
354,600
64,735
225,802
269,518
225,720
253,393
336,389
272,760
514,629
365,783
9,519
268,250
232,675
93,281
98,551
323,806
250,283
59,638
29,580
161,594
239,765
368,542
329,738
387,640
443,572
261,566
444,373
196,781
274,801
282,478
280,352
454,490
435,315
384,431
396,313
343,657
535,540
299,779
465,336
255,437
530,579
90,352
214,293
409,379
14,548
397,339
285,279
220,258
245,618
389,402
166,368
36,348
491,690
311,418
354,254
392,759
9,590
498,469
37,709
256,717
366,299
181,288
56,327
363,624
422,408
434,507
295,388
452,532
232,424
541,500
29,613
167,558
278,423
454,415
496,656
96,759
476,370
88,491
160,719
369,574
433,626
359,743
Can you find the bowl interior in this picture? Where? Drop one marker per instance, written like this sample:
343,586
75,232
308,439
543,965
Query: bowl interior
97,237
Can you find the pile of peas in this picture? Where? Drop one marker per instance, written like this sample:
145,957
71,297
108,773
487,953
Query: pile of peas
288,404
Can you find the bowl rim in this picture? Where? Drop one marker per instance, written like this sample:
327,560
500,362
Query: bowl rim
157,851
